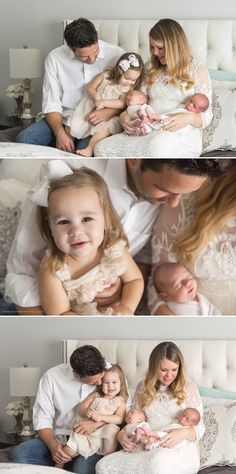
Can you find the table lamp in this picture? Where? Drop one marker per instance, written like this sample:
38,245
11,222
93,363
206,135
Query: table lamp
24,383
25,63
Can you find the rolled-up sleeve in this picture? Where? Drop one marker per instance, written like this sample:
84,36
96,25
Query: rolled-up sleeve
43,410
52,90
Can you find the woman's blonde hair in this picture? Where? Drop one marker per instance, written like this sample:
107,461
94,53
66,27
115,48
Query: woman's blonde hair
114,74
81,178
123,386
164,350
215,205
177,54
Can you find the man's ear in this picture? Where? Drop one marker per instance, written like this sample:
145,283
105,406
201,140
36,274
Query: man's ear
164,296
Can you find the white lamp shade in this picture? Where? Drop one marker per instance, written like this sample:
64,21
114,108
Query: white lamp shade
24,381
25,63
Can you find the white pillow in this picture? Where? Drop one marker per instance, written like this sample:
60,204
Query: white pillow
221,133
218,445
21,169
12,196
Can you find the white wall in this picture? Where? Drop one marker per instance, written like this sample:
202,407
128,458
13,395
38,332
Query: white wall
38,25
36,341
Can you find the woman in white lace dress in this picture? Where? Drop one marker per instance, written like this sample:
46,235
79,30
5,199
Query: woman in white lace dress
172,76
201,234
163,394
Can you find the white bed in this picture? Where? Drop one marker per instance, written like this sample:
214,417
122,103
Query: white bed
211,364
212,41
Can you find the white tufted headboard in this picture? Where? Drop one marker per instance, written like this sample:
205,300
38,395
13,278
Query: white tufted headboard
209,363
212,41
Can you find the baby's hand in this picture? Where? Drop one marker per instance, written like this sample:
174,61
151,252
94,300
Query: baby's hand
120,309
96,417
90,413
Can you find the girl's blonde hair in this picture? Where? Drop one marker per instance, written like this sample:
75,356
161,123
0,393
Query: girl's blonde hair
164,350
115,73
177,54
81,178
123,387
215,205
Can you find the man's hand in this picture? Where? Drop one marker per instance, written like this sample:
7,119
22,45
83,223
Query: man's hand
64,141
126,442
58,454
102,115
85,427
110,295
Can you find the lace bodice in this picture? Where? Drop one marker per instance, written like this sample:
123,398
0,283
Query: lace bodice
110,91
84,289
214,266
106,406
164,410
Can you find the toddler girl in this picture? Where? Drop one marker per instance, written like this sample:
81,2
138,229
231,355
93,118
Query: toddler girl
87,245
106,90
106,405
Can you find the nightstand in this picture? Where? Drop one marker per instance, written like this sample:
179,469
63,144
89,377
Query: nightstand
10,122
12,439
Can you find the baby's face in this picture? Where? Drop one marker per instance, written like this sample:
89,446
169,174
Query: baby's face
196,103
188,418
136,98
180,286
135,416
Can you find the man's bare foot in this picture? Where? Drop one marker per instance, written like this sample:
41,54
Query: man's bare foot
85,151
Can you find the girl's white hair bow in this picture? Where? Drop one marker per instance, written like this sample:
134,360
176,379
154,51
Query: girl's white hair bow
131,61
55,169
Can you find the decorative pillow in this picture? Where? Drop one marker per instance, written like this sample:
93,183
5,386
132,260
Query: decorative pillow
12,195
218,445
221,133
216,393
222,75
23,170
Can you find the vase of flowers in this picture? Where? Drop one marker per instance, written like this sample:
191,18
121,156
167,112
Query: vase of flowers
17,92
16,409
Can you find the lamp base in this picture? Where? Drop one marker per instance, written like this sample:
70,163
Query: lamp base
27,101
27,431
27,115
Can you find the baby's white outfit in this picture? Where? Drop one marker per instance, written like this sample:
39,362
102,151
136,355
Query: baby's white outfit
203,307
103,440
80,127
83,290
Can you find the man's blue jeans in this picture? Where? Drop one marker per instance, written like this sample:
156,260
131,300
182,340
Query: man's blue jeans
39,133
35,451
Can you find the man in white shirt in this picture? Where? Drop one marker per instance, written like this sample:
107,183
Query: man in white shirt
67,70
60,390
137,188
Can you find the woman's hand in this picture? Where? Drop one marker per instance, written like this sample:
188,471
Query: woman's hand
173,438
126,123
125,441
177,121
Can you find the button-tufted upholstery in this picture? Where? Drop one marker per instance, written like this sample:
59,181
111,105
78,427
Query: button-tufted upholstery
209,363
212,41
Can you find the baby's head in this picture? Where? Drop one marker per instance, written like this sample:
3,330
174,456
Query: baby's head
174,283
136,98
77,216
189,417
113,383
135,416
197,103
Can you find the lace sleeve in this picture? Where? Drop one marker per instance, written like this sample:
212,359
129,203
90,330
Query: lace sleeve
194,401
169,224
203,85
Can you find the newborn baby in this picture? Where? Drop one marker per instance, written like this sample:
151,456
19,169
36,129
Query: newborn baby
142,433
178,288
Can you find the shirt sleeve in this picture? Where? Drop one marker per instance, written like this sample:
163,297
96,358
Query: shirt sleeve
43,410
203,85
52,91
194,401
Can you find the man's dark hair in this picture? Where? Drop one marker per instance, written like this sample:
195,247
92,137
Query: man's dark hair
80,33
87,360
213,167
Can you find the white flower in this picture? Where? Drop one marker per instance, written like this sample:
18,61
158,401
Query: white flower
15,90
15,408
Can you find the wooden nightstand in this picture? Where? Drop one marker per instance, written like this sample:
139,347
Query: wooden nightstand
10,122
12,439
